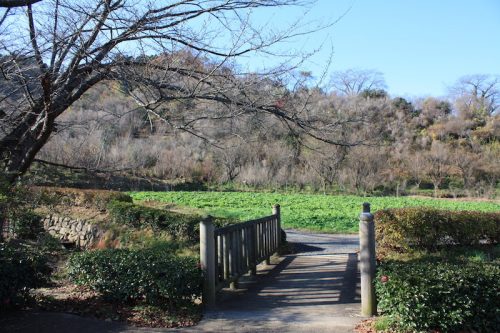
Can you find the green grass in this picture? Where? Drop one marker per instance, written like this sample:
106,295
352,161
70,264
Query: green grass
324,213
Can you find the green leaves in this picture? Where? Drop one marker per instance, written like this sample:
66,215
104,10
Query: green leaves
179,226
420,228
21,269
307,211
26,224
152,275
426,295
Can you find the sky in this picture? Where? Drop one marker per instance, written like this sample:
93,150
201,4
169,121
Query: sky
421,46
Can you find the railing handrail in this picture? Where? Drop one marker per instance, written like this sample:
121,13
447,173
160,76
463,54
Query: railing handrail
242,225
229,252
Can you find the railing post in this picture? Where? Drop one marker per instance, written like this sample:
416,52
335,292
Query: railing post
277,212
207,261
367,261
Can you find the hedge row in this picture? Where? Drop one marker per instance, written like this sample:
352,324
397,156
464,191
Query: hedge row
179,226
77,197
153,275
21,269
444,297
401,230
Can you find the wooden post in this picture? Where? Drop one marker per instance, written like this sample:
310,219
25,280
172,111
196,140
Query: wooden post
277,212
234,260
367,261
267,239
207,258
253,250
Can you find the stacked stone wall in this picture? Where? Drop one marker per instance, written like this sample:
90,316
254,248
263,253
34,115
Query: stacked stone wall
80,232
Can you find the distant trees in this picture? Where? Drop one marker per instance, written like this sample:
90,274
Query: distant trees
477,96
355,81
404,145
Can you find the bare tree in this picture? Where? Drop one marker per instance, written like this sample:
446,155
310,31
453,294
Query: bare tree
466,163
355,81
477,95
327,163
54,51
232,160
415,164
438,167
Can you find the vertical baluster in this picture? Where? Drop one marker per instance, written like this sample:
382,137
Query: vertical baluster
234,261
257,243
275,233
243,261
237,235
261,242
220,241
231,252
264,234
268,243
253,249
246,241
242,249
216,260
226,256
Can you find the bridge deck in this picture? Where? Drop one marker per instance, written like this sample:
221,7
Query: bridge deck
315,290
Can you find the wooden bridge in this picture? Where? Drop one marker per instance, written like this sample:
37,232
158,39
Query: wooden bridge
316,289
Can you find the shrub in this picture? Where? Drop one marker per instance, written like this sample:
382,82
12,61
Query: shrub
423,295
20,270
78,197
25,224
178,226
404,229
153,275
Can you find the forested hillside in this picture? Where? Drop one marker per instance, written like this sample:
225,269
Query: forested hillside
381,143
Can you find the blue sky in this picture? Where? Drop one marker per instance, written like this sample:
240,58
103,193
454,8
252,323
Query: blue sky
421,46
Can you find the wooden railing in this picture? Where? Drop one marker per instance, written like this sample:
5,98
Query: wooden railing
229,252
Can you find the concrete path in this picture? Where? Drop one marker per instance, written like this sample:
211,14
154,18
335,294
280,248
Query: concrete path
315,290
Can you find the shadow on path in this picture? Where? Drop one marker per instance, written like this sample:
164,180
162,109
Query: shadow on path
318,287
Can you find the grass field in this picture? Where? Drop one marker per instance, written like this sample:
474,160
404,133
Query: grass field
303,211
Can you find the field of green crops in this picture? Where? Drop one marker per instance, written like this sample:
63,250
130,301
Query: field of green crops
305,211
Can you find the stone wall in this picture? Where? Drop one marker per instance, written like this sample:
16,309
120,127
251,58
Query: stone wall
80,232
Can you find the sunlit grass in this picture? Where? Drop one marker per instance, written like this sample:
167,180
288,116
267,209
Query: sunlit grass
324,213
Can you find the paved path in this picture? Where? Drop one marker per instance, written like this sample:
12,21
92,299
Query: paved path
315,290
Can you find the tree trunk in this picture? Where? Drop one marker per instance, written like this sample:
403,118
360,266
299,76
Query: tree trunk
436,188
19,148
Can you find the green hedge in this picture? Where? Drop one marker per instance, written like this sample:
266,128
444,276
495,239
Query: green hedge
153,275
21,269
447,297
179,226
401,230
